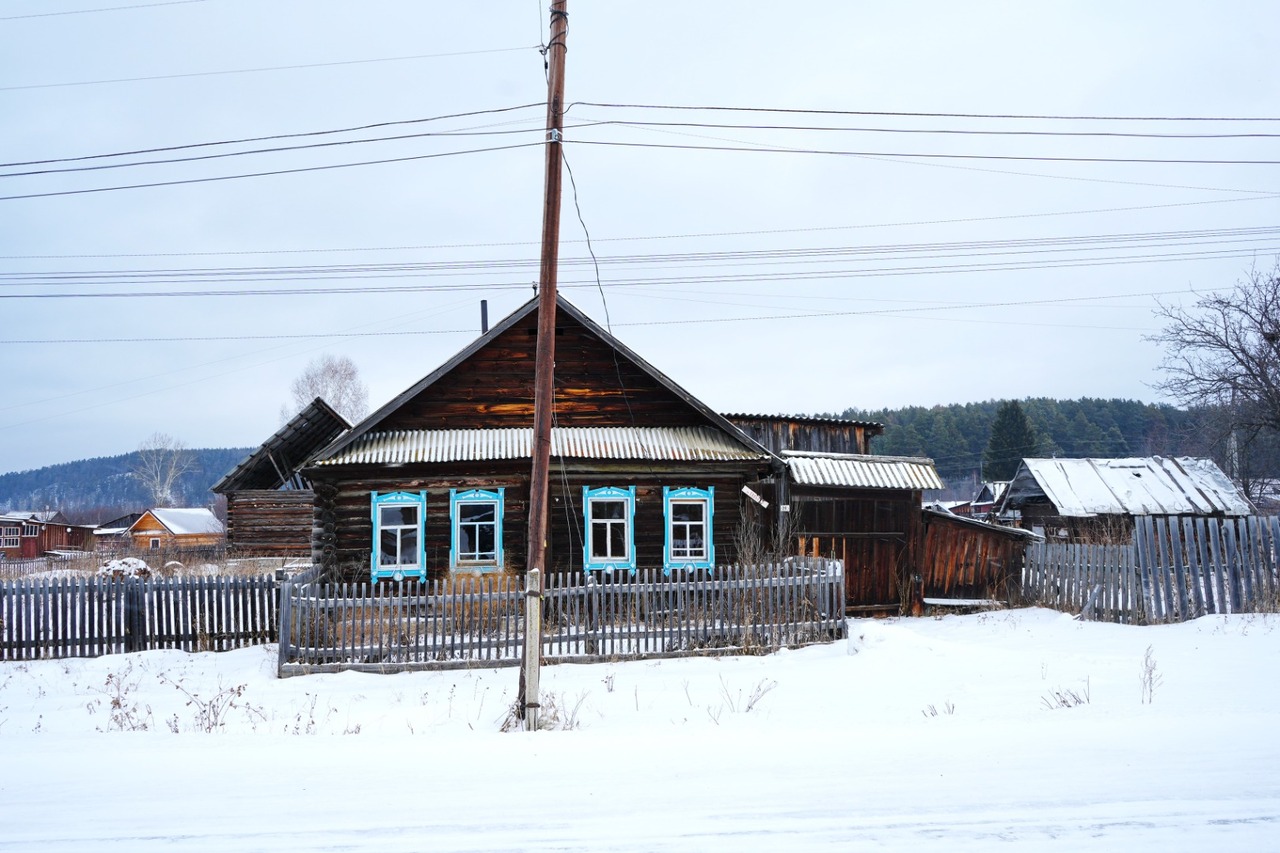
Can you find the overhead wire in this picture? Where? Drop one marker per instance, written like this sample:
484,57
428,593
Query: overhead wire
906,114
648,237
271,172
247,140
262,69
100,9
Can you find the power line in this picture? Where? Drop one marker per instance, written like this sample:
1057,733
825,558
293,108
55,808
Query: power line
302,66
252,139
942,131
650,237
104,9
755,257
278,149
270,173
914,309
664,281
834,152
901,114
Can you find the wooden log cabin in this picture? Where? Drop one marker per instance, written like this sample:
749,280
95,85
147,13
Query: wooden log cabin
269,503
644,475
176,529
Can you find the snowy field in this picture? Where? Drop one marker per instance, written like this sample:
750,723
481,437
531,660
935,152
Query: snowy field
1022,730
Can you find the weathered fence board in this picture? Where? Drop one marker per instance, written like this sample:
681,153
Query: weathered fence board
91,616
1176,569
479,621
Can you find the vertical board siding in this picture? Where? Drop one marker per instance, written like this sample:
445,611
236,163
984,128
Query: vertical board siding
1176,570
479,622
92,616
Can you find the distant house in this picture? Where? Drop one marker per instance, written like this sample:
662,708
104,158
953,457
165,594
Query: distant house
25,535
1097,499
113,535
269,502
176,529
984,500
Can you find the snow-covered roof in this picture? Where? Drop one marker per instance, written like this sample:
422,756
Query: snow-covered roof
187,520
1151,485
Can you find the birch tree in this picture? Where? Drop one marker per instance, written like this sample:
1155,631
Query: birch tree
161,461
336,380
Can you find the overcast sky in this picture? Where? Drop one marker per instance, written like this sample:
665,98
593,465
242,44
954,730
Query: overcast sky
821,268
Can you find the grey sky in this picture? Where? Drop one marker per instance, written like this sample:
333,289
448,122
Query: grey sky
928,290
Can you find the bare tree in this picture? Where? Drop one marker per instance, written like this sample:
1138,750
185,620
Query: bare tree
1225,351
162,459
336,380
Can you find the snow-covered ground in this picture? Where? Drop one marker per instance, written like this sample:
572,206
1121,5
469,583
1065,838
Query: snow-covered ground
1020,730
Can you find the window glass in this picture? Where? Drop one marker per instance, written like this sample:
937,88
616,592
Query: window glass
477,529
398,519
688,513
610,540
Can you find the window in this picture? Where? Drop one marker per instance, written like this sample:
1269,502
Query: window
610,540
688,513
30,530
476,519
398,550
155,544
9,537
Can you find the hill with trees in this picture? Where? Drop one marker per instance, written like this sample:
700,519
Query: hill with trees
89,491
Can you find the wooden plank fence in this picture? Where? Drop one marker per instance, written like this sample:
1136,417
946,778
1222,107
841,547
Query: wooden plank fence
87,616
478,621
1178,568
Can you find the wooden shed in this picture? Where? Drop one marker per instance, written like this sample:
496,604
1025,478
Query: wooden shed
1097,500
176,529
643,474
966,560
269,502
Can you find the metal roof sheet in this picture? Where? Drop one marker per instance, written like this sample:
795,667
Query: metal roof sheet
863,472
802,419
1151,485
683,444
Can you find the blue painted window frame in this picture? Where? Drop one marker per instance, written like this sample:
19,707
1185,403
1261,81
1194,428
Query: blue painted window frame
609,564
398,571
671,497
458,500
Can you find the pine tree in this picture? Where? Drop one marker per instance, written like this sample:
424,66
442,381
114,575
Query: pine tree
1012,438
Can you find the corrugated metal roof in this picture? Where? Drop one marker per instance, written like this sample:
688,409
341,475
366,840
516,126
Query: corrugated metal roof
1152,485
682,444
802,419
862,472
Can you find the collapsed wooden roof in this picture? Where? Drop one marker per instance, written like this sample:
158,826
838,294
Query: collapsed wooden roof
275,464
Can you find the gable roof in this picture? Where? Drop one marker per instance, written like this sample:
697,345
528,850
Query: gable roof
183,520
367,431
277,461
1153,485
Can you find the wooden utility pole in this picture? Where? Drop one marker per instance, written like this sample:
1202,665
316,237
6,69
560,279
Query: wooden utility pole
545,355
